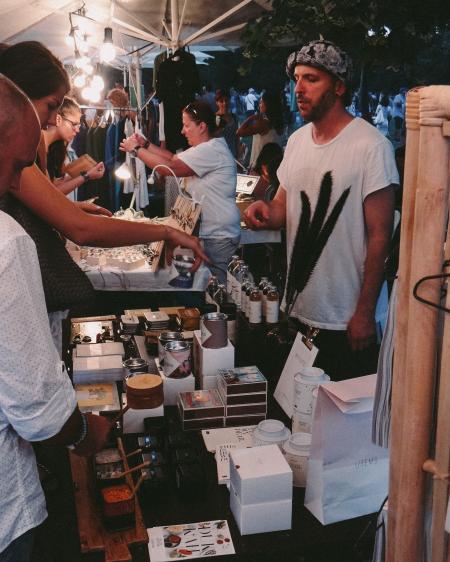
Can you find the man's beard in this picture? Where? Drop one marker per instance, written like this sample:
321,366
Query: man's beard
321,108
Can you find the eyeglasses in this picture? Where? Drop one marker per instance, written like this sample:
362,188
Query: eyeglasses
74,125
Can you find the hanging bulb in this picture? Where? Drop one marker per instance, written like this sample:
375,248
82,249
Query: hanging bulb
81,62
83,44
70,38
107,50
94,96
88,68
86,93
79,81
123,172
97,82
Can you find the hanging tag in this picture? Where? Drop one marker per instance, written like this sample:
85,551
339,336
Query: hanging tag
303,354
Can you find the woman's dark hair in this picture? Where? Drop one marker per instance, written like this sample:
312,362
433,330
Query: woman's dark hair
57,150
271,155
222,95
274,110
33,68
201,112
384,101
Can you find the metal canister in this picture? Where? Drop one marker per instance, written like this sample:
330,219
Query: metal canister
177,359
135,365
213,327
165,337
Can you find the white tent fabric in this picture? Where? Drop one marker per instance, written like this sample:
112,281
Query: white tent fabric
148,25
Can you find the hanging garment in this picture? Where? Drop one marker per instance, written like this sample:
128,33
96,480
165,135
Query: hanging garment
129,185
114,157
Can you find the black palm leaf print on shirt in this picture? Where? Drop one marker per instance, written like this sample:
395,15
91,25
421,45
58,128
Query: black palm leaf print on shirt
311,238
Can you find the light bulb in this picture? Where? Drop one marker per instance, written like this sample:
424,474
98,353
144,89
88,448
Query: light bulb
97,82
79,81
107,52
88,68
123,172
94,95
83,45
70,41
86,93
81,62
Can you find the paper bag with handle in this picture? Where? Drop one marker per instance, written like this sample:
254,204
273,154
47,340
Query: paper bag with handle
81,164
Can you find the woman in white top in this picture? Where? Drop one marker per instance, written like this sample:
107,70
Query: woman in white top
265,127
210,172
383,115
57,140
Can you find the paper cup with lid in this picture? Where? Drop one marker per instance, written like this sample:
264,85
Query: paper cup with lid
270,432
296,452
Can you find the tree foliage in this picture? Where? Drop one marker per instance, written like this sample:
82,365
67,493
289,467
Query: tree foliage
390,33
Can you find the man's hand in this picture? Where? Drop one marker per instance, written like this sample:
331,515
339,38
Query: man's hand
257,215
92,208
179,238
97,171
361,331
127,145
96,438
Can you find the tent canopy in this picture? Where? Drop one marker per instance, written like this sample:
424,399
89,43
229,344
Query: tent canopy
144,25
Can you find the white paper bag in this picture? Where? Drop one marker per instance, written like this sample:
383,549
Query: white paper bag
347,473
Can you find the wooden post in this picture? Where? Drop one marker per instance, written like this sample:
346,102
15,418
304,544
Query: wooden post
404,271
412,430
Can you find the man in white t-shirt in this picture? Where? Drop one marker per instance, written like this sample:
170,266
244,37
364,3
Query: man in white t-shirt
336,199
37,400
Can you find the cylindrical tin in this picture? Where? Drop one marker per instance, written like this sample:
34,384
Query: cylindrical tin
144,391
135,365
177,359
214,332
185,278
305,383
163,338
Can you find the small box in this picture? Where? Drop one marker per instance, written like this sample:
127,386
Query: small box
260,474
242,380
234,399
261,517
189,318
251,419
173,387
200,404
133,420
99,349
202,423
246,409
82,164
207,361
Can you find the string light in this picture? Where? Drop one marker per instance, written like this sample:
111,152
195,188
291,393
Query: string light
107,50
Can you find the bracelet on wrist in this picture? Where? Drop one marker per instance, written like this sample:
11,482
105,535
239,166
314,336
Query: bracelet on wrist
83,434
85,176
146,144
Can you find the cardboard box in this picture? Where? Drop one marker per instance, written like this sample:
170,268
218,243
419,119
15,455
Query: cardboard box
133,420
173,387
260,474
262,517
208,361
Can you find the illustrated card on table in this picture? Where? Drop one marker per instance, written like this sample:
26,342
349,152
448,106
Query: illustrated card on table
192,540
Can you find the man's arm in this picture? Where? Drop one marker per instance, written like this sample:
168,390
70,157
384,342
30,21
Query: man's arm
378,218
267,215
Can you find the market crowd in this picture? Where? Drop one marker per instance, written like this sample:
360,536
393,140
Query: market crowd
331,188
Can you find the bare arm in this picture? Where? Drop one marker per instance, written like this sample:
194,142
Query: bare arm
41,196
267,215
253,125
379,217
68,184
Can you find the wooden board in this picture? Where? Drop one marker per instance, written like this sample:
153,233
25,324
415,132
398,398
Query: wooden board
93,535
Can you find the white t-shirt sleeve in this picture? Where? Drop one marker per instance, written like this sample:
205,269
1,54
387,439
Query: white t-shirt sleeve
36,395
201,159
380,170
282,171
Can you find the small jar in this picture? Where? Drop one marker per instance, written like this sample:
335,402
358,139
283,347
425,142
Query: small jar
305,383
270,432
272,306
255,312
296,452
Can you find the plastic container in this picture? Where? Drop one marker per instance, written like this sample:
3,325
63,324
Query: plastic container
296,452
270,432
305,382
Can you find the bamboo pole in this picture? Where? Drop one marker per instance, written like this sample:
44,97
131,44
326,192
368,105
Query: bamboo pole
404,271
430,221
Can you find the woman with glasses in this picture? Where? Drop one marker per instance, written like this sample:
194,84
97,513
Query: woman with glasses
210,179
57,140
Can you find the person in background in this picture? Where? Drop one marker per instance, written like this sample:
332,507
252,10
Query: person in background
208,96
42,408
210,179
227,122
383,115
265,127
337,177
251,101
267,164
57,142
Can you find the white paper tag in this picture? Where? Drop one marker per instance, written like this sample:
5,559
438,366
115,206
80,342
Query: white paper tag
299,357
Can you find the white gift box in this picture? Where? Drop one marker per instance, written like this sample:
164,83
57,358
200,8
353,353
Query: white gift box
260,475
261,517
172,388
208,361
133,420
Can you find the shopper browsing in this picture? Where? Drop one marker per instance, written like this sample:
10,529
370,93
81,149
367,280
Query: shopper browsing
46,409
210,172
334,162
